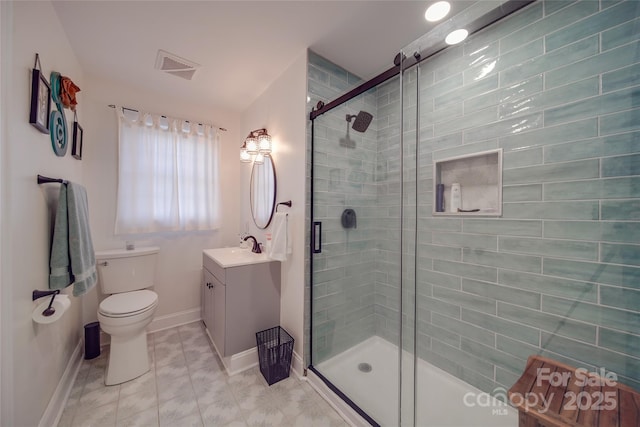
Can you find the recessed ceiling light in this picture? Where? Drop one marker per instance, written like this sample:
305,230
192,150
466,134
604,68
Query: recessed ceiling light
437,11
456,36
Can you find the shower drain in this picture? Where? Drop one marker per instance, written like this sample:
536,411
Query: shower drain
364,367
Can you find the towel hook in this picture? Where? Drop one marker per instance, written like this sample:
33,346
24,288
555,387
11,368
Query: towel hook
287,203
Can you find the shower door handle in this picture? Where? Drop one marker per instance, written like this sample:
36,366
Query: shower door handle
316,237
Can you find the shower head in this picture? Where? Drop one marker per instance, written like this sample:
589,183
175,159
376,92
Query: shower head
361,122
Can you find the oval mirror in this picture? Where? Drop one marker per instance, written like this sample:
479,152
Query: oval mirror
263,192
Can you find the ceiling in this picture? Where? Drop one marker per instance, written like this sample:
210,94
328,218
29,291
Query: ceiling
241,46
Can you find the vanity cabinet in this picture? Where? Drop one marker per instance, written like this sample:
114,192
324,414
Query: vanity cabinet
213,309
239,298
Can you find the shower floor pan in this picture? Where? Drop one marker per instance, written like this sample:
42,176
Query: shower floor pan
442,399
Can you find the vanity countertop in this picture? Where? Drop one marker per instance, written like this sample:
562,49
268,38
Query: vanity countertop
234,257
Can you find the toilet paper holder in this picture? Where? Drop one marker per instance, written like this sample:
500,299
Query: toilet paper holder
41,294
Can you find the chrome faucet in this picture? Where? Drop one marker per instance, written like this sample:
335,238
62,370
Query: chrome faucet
256,247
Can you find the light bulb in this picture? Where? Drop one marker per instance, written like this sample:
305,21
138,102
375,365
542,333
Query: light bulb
259,159
264,143
252,145
244,156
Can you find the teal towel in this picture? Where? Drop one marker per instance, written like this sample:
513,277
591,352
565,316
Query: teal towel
60,276
72,256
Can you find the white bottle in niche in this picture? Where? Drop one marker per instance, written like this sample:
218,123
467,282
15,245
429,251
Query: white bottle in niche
456,198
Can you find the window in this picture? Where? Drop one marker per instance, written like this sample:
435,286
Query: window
167,174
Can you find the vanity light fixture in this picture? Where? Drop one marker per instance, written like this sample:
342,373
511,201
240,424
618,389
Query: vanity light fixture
437,11
258,159
256,145
245,157
264,143
252,144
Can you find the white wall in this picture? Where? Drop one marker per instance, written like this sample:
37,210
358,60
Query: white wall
281,109
180,258
39,353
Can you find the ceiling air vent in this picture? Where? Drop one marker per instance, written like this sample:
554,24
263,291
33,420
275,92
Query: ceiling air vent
174,65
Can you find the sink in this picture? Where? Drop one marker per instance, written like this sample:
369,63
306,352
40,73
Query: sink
233,257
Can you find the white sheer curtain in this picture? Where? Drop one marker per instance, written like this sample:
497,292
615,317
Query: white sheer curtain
167,175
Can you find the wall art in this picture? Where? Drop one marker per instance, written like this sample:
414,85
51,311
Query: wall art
40,99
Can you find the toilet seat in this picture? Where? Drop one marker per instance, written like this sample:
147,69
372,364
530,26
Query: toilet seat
128,303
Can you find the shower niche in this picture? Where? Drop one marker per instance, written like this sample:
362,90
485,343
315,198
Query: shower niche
479,184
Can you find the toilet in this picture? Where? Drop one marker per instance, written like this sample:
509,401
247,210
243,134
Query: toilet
126,275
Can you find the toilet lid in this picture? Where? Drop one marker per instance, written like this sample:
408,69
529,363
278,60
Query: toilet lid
128,302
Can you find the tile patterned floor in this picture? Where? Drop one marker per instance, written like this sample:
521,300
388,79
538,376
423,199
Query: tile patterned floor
187,386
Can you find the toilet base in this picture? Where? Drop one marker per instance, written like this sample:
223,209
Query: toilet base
128,358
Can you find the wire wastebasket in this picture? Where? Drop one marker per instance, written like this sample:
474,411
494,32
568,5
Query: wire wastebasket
275,347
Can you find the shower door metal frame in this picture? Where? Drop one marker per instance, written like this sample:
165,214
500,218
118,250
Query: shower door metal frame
416,57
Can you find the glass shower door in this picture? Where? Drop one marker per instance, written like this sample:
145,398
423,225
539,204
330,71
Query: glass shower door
355,280
556,273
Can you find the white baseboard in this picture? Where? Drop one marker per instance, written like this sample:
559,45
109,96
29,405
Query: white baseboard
297,367
174,319
342,408
247,359
162,322
58,401
238,362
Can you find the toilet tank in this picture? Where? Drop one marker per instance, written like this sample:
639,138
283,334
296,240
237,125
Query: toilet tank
123,270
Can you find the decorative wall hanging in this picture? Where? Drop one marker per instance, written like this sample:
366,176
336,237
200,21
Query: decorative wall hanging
58,123
76,148
40,99
68,91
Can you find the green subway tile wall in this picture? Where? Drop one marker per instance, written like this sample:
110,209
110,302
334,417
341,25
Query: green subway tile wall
564,277
559,273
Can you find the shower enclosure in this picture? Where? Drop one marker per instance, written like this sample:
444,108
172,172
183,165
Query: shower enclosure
425,318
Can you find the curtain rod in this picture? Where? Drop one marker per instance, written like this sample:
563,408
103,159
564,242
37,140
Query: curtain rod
133,109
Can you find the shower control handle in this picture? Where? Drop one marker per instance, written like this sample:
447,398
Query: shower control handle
103,264
316,237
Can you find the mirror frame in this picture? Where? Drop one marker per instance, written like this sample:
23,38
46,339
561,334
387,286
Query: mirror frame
275,192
